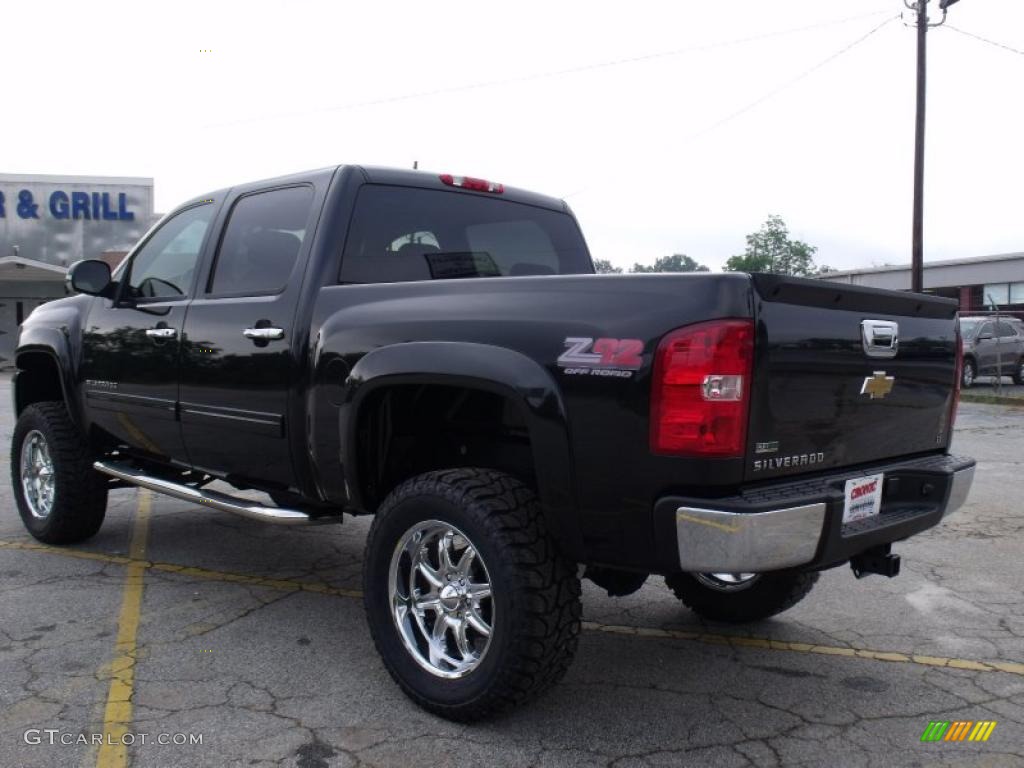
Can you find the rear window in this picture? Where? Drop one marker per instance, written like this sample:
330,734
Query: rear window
403,234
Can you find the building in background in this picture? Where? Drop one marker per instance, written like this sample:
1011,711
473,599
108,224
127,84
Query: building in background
50,222
979,284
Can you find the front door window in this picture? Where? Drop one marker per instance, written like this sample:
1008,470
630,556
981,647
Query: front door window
163,268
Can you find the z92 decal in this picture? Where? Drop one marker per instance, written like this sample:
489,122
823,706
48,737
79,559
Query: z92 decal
585,356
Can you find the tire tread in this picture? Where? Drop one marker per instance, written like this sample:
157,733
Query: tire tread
543,646
774,593
81,492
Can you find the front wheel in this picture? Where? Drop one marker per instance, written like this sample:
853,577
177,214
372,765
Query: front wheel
470,605
61,498
741,597
1018,373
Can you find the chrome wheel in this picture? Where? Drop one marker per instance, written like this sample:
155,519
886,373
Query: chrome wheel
440,598
727,582
37,474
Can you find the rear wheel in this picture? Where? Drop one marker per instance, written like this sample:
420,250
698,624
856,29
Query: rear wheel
470,605
741,597
60,497
970,373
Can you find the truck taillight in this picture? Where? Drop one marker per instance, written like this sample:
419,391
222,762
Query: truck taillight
701,390
468,182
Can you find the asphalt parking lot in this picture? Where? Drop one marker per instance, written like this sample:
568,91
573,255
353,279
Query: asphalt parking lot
180,621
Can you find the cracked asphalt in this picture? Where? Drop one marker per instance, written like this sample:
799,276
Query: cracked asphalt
253,636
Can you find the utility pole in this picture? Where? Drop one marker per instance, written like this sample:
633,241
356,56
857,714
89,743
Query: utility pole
917,253
920,7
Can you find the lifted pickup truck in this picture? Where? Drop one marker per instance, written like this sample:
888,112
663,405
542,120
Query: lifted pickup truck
435,351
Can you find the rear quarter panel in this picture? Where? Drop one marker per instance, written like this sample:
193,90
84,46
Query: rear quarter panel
614,476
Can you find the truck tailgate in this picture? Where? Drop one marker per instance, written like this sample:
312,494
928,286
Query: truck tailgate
824,396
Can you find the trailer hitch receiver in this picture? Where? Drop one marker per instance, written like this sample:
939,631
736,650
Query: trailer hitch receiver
878,559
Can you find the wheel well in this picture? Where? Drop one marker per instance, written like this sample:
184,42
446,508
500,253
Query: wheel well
38,380
407,429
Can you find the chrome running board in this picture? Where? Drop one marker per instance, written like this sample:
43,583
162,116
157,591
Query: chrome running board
221,501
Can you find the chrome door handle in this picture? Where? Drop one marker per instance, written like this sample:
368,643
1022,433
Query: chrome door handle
161,333
263,334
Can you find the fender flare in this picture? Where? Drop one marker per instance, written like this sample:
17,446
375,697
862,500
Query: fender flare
490,368
53,342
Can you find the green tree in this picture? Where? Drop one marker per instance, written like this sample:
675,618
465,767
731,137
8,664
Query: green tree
771,249
605,267
677,262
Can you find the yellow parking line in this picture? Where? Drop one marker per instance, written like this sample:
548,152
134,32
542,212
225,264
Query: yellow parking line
117,718
737,641
709,638
185,570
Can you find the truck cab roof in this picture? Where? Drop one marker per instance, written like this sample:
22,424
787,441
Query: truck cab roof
400,177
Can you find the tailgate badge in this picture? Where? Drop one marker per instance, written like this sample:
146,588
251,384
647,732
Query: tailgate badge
878,385
880,338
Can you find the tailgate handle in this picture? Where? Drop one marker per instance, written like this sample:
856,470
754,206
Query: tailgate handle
880,338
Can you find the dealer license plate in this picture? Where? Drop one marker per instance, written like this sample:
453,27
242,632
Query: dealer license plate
863,498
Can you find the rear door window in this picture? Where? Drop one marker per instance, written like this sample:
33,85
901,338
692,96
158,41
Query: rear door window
261,242
403,234
1005,330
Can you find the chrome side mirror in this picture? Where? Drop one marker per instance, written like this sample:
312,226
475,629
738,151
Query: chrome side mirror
90,276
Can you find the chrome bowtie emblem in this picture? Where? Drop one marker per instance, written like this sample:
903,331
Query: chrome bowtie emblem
878,385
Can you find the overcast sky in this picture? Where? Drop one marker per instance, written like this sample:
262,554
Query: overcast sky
656,156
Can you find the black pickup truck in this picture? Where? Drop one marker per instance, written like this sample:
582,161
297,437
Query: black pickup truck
435,351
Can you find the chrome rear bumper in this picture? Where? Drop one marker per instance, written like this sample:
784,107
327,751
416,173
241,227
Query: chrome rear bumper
713,540
804,532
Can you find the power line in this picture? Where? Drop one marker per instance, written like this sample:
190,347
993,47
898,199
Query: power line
775,91
790,83
444,91
985,40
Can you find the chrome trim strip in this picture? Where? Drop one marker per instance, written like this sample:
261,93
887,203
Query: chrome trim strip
258,422
160,403
712,540
208,498
959,487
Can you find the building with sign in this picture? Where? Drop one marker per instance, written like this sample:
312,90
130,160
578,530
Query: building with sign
982,283
49,222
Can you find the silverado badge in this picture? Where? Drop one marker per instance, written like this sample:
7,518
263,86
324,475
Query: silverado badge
877,385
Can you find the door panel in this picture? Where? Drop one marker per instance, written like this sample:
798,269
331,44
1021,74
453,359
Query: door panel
130,380
239,363
1009,348
131,346
985,349
234,391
